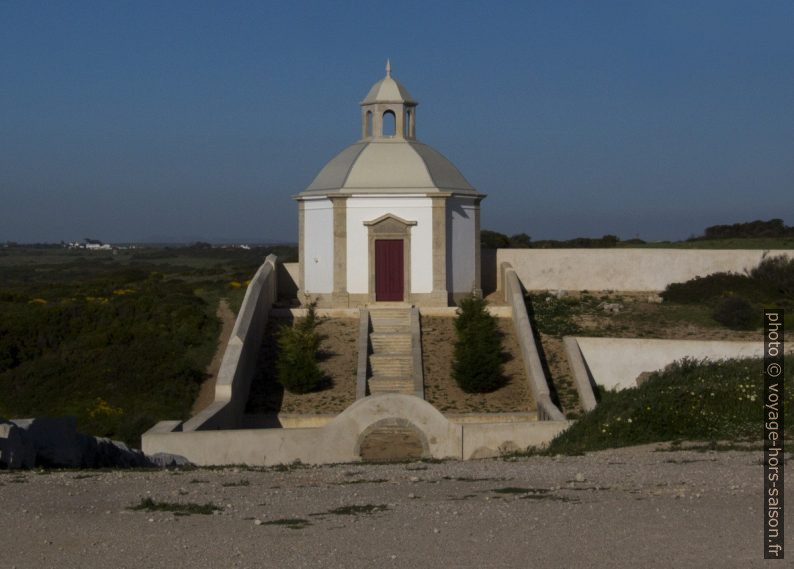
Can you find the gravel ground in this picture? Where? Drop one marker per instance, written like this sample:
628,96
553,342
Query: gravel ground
620,508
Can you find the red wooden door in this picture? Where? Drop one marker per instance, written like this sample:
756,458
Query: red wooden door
389,269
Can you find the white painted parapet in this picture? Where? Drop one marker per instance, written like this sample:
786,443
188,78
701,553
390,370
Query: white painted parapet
615,363
485,440
624,269
533,369
242,352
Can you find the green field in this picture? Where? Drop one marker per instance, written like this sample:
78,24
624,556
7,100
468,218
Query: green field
743,243
758,234
119,339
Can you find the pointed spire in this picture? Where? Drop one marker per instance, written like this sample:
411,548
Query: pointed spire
388,68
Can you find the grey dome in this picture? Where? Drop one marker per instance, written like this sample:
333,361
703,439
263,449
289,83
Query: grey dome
389,166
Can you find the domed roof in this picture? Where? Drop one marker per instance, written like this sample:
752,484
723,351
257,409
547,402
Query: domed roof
383,163
387,90
389,166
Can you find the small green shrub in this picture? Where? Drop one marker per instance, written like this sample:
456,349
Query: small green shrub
296,365
771,281
736,313
477,367
735,299
776,275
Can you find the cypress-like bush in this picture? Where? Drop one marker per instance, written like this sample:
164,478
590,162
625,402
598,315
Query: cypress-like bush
477,367
296,365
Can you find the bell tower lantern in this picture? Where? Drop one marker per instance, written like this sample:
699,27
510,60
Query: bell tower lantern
388,111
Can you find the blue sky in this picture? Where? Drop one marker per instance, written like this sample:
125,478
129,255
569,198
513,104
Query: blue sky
199,120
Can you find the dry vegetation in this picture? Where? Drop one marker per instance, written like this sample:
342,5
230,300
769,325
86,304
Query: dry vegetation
337,359
639,316
438,339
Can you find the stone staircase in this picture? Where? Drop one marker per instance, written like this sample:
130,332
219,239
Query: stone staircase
391,361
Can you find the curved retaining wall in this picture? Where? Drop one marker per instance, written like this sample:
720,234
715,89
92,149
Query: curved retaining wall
340,439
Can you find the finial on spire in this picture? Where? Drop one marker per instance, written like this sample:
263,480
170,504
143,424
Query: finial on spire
388,68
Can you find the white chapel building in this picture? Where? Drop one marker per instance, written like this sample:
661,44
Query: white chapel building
389,219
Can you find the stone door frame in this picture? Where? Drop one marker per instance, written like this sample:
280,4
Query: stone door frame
390,226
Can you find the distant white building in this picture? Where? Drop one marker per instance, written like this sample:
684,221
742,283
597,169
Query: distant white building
389,219
90,245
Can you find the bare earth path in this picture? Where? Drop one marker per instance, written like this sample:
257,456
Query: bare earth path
620,508
207,392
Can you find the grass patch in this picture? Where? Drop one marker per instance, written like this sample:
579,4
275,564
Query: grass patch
235,484
297,465
375,481
464,497
291,523
555,316
543,496
533,494
355,510
177,508
688,400
470,479
513,490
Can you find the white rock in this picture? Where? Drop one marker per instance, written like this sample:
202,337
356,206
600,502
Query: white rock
16,447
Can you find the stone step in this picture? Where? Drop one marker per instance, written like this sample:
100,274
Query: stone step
390,384
391,364
391,343
378,313
392,325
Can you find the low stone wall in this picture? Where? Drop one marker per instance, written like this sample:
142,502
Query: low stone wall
339,440
623,269
240,358
538,385
485,440
615,363
287,280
